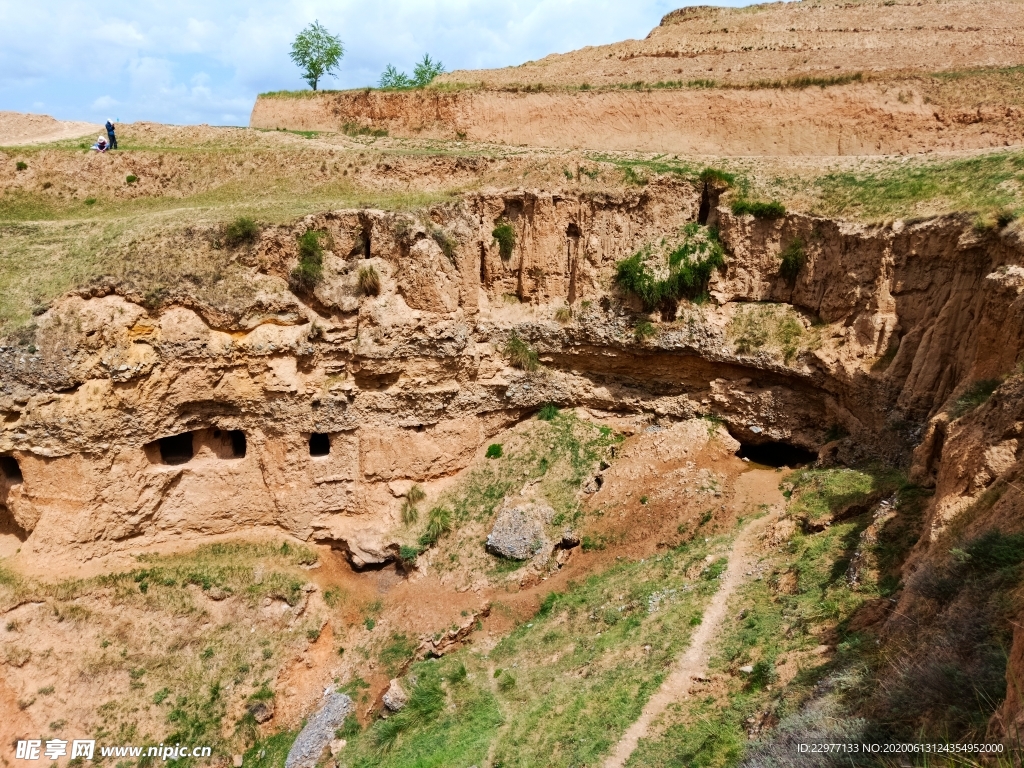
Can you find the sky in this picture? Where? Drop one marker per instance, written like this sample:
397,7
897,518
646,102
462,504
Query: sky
204,61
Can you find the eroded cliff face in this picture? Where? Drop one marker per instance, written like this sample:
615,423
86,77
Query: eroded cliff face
313,412
858,119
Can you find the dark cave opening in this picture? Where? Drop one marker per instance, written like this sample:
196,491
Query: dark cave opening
176,449
238,444
319,444
775,454
705,206
10,470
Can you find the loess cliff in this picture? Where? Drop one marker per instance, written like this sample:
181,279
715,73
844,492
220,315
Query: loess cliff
893,321
686,434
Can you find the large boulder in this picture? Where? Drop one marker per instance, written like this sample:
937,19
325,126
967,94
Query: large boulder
395,697
319,732
518,533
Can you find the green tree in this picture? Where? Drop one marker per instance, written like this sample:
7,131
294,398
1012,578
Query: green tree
422,74
392,78
426,71
317,53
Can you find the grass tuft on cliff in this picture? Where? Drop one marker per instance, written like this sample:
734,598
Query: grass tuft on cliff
310,270
759,209
520,354
793,259
775,329
369,281
505,236
975,395
673,270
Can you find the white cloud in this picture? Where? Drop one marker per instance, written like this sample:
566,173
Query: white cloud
120,33
195,60
103,103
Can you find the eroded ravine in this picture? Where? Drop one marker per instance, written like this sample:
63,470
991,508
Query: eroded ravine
139,428
757,493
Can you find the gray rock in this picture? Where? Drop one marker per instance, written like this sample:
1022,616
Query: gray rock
319,732
518,533
262,710
395,697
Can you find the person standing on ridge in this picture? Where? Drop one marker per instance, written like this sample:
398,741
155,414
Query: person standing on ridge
112,139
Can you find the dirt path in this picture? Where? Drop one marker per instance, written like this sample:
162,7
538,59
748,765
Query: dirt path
758,486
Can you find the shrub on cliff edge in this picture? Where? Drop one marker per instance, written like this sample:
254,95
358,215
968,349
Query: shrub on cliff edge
310,270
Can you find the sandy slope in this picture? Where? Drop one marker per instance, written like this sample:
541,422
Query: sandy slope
18,129
778,41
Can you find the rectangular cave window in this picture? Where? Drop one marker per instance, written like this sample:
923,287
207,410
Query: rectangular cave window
10,470
237,443
176,449
319,444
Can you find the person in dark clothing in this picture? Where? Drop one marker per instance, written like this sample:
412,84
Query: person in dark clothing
112,139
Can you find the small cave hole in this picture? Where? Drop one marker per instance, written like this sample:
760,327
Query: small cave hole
704,212
366,242
176,449
776,454
319,444
238,444
10,470
483,265
572,230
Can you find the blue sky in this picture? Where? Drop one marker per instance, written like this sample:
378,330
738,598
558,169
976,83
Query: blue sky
204,61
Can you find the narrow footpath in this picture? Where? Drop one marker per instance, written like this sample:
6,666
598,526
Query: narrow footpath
755,487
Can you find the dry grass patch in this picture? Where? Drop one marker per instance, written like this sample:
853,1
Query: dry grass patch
173,650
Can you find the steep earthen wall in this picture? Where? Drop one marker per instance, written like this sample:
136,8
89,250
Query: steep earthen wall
859,119
410,384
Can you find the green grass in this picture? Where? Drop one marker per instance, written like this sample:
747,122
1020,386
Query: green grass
672,270
985,184
644,330
439,523
241,231
977,394
271,751
505,236
149,244
632,176
520,354
793,259
771,328
759,209
354,129
819,494
399,649
189,678
769,624
548,412
559,689
310,270
710,730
